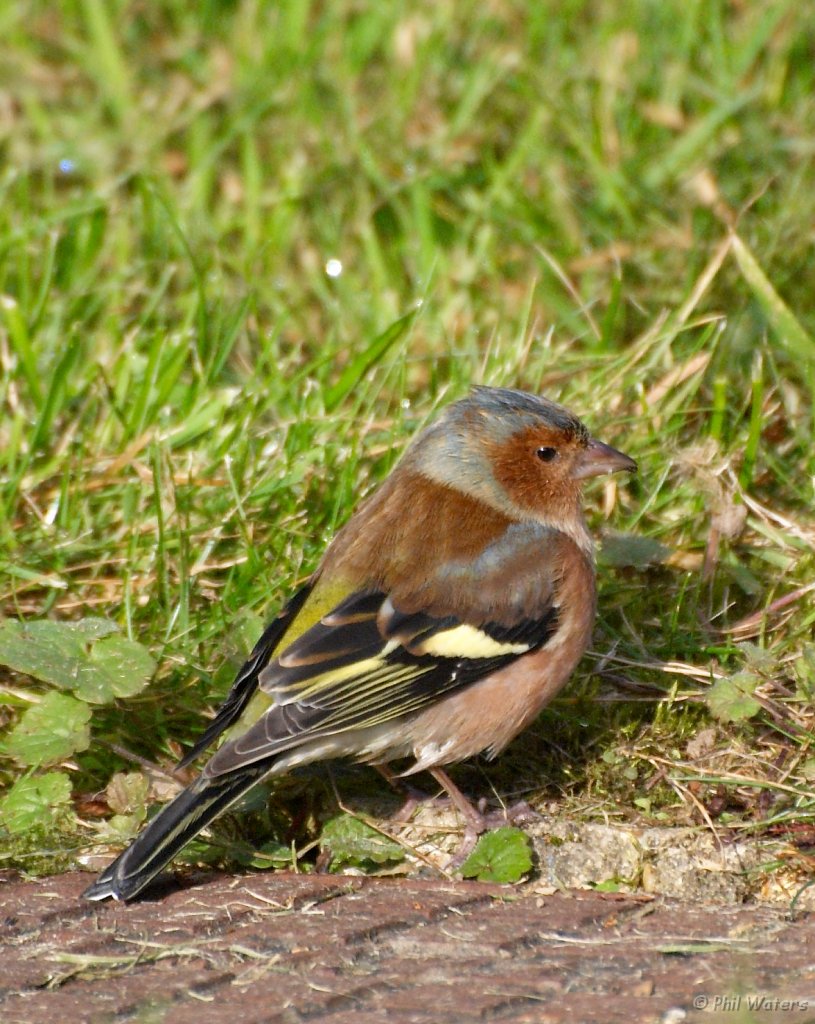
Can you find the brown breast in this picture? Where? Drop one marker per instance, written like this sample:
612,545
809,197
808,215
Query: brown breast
490,713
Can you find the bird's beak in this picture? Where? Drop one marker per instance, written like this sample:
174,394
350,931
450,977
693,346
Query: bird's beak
597,458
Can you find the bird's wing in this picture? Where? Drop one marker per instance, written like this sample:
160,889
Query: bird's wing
369,661
246,681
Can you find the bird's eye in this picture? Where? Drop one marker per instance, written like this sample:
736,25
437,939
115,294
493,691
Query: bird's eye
546,454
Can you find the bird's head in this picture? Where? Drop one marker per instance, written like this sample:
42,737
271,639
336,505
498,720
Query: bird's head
518,453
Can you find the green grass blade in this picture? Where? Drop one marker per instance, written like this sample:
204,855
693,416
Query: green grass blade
678,157
783,322
369,357
108,64
52,405
21,344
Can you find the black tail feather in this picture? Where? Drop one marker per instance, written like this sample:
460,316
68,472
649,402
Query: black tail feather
172,828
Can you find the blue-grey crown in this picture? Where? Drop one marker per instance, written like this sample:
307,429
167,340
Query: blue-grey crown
452,451
513,409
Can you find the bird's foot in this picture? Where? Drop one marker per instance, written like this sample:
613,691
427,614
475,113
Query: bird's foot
519,813
478,819
415,798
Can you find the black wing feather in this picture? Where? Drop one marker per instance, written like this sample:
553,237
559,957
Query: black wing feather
246,681
312,701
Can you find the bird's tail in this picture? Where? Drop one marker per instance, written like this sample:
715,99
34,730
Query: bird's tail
172,828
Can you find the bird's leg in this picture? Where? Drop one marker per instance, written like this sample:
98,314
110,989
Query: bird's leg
411,794
477,821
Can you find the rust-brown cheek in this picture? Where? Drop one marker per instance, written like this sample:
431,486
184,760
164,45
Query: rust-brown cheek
542,488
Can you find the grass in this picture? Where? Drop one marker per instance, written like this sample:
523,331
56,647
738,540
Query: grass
609,205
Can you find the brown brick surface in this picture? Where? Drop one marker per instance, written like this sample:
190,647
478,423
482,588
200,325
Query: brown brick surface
285,949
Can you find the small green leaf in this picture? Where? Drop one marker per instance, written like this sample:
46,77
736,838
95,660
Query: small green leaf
115,667
122,827
732,700
45,650
89,629
83,656
621,550
38,800
271,855
504,855
757,659
610,885
352,842
50,731
128,793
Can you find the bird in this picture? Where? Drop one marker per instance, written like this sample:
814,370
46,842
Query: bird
449,609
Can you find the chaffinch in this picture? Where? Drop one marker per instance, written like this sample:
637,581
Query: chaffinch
447,612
